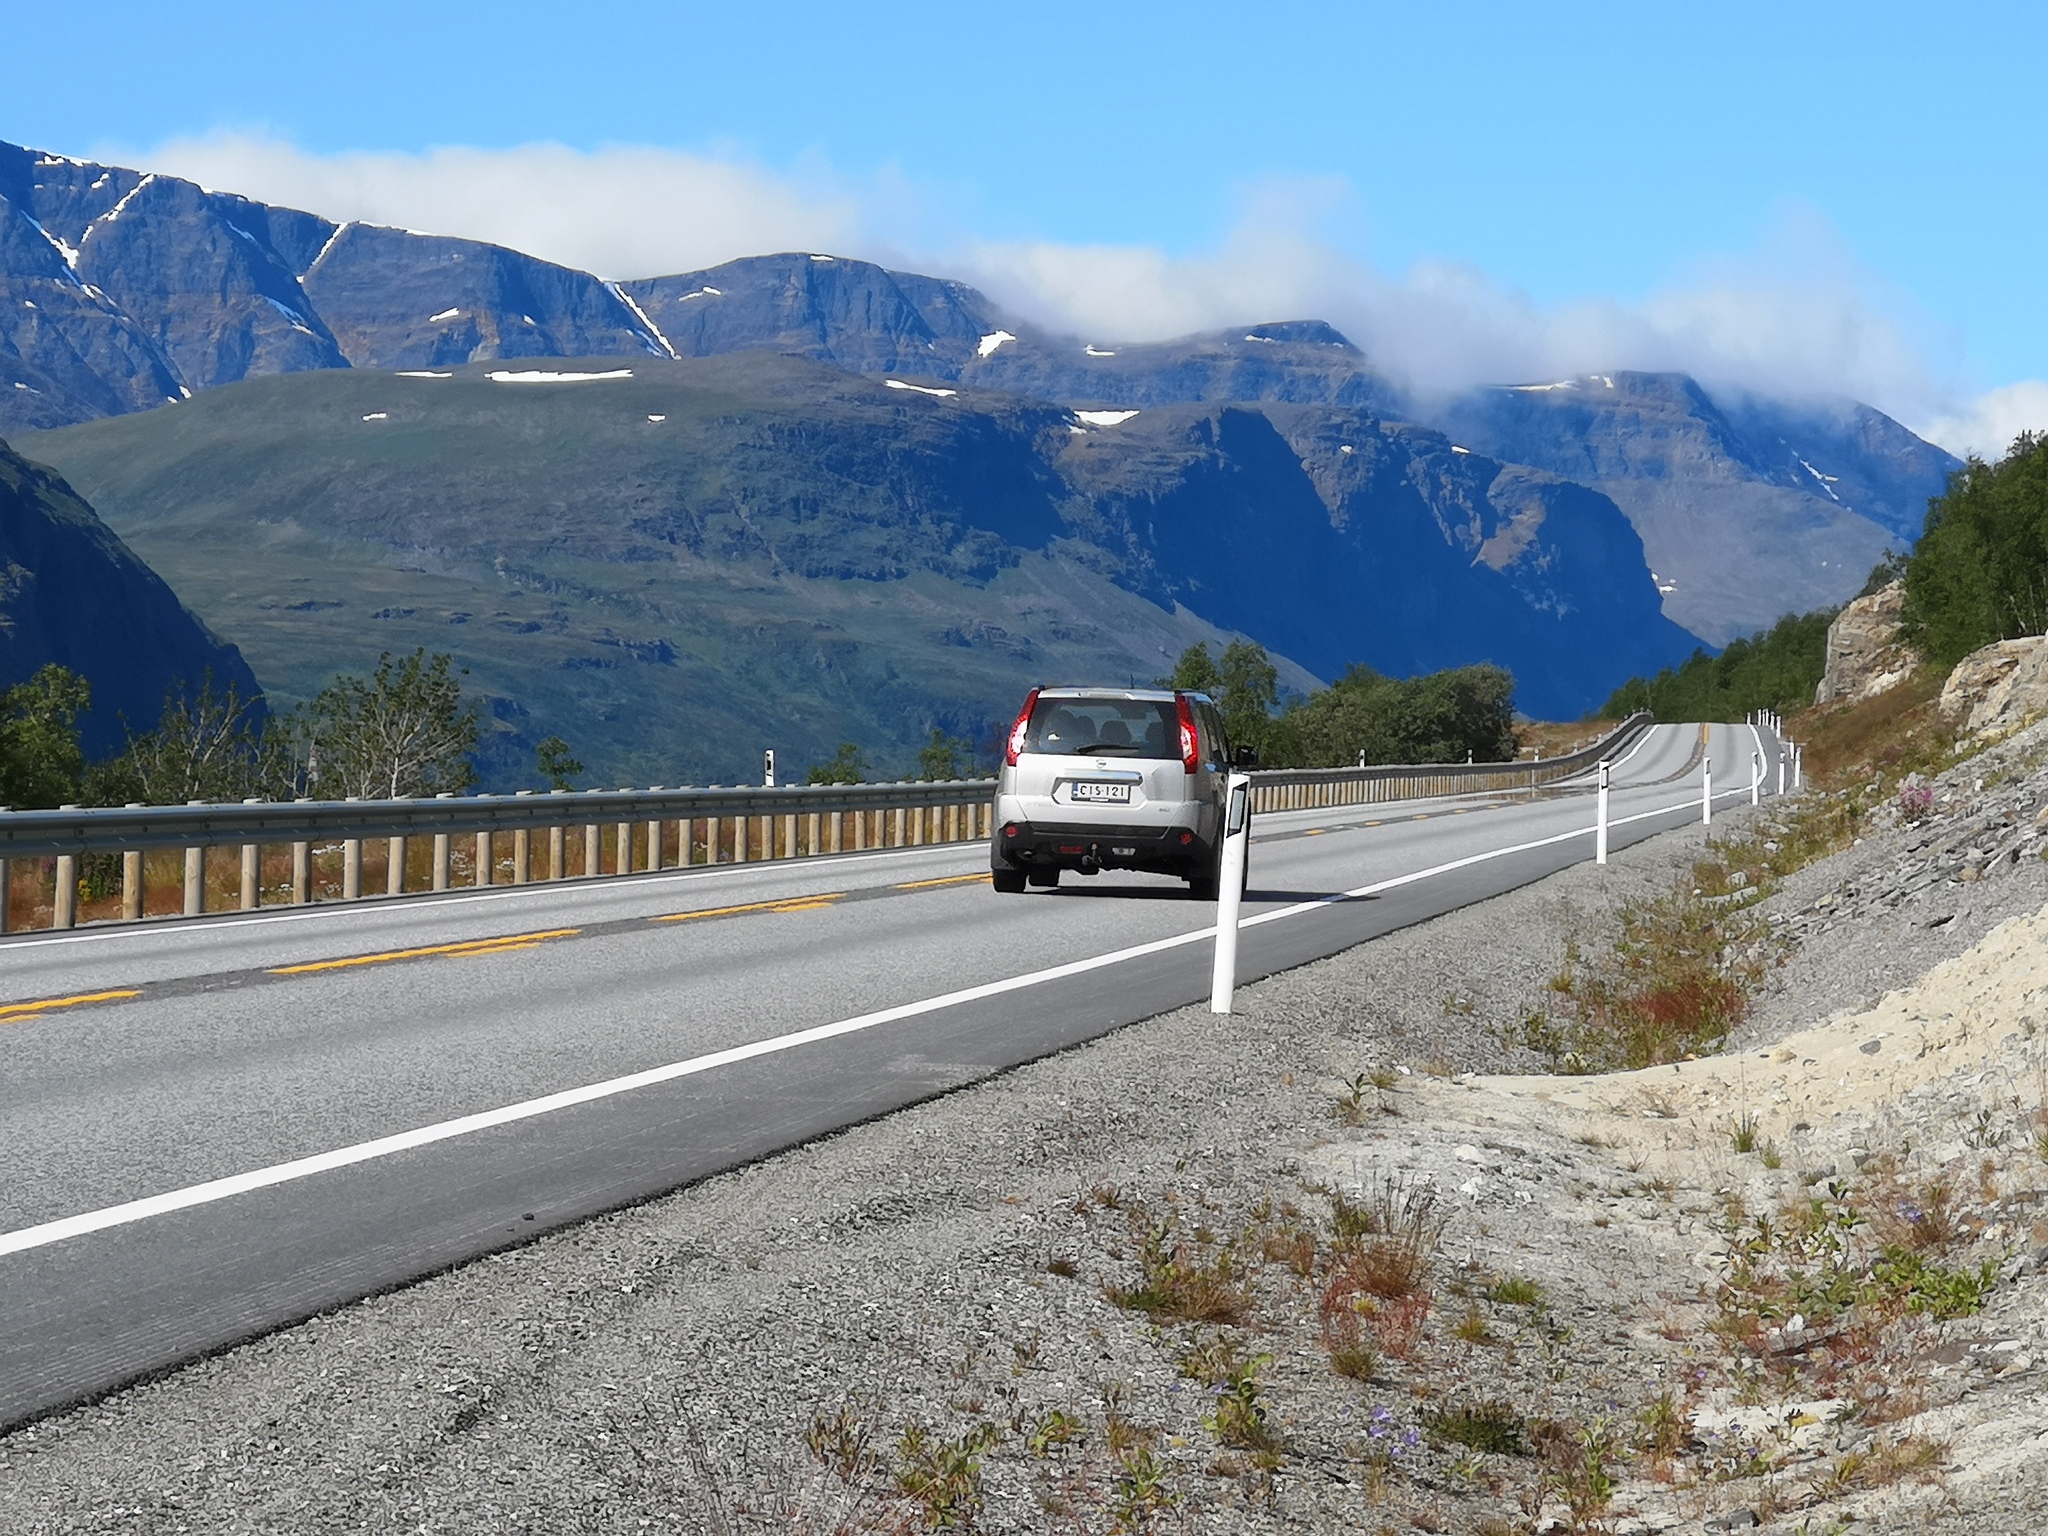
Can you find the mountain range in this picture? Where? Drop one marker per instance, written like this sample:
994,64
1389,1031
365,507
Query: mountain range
223,369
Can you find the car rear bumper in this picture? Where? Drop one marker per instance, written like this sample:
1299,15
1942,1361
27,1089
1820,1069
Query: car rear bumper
1089,846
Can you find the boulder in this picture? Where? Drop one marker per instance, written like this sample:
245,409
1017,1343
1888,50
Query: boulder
2001,686
1865,654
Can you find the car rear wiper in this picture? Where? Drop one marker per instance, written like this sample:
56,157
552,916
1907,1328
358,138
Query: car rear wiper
1106,747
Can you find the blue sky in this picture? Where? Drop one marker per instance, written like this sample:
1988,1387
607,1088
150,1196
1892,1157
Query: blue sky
1795,197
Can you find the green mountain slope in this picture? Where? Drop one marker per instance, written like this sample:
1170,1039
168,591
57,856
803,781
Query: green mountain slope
777,561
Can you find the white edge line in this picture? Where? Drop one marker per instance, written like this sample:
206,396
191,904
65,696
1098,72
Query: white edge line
384,1146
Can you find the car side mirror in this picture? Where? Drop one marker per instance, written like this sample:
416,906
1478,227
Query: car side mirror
1245,757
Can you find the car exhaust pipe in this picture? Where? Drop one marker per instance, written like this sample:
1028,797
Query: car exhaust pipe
1091,863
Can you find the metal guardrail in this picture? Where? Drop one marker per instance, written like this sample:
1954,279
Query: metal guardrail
585,834
1296,789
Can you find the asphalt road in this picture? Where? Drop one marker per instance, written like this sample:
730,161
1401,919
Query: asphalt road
213,1128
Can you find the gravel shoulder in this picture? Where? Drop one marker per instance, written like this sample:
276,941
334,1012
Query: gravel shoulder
1096,1293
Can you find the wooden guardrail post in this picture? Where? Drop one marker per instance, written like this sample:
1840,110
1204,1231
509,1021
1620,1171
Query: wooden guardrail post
351,868
442,847
64,900
394,866
485,857
654,842
302,868
558,847
195,876
131,878
622,862
593,849
742,826
252,868
522,848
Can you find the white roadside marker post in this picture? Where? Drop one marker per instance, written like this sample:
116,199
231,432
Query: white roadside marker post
1600,820
1236,834
1781,770
1756,778
1706,791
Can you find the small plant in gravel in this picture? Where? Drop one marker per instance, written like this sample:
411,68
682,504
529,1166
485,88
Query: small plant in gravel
1238,1417
1051,1429
1497,1428
1665,1427
1140,1495
1742,1133
943,1477
1472,1327
1182,1280
1397,1324
1915,802
1575,1467
1515,1291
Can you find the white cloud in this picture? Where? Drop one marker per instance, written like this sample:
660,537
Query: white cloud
618,212
1796,316
1987,425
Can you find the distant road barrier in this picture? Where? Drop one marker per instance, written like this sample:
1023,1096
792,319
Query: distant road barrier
95,864
1304,789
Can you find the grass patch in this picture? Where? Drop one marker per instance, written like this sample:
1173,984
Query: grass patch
1497,1428
1183,1280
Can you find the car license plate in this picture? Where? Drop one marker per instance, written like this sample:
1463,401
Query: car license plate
1088,792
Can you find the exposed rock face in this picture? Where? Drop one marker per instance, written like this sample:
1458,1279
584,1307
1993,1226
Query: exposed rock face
1804,499
74,594
1865,654
2001,686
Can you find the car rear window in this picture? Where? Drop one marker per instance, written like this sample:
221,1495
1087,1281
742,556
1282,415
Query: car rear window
1104,728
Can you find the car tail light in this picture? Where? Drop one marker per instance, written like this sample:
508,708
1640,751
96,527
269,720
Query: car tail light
1190,750
1017,731
1186,838
1009,829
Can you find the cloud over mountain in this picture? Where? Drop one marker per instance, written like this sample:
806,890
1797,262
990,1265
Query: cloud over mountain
1797,316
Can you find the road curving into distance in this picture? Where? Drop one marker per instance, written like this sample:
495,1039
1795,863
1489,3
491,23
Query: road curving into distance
220,1126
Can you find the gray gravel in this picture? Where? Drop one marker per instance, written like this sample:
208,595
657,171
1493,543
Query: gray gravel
658,1369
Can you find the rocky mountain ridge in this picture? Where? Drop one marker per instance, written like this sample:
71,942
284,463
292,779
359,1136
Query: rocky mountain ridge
121,291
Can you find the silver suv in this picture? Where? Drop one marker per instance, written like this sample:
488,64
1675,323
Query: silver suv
1113,778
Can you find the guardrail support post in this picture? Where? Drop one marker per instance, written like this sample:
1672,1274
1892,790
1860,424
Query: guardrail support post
195,876
623,836
252,869
442,847
485,874
64,900
654,843
522,847
712,833
302,870
131,880
1706,791
593,849
897,831
1600,820
6,891
351,868
789,835
394,866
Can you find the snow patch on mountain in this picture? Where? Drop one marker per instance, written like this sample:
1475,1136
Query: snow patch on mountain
546,376
922,389
989,343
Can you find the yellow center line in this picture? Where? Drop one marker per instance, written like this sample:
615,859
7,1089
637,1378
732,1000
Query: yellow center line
12,1012
1420,816
787,904
464,950
923,885
1315,831
1372,823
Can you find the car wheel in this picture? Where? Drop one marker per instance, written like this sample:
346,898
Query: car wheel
1204,887
1044,879
1010,881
